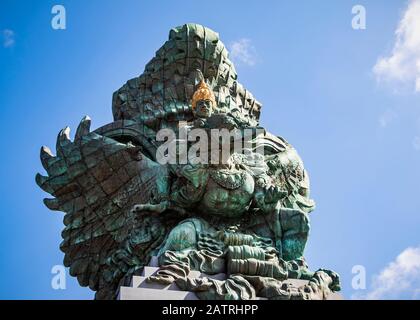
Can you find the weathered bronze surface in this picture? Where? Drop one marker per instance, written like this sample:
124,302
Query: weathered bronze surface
246,217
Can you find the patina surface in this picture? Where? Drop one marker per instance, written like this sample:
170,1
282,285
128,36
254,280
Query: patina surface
246,217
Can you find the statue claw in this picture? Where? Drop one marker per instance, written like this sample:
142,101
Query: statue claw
162,279
158,208
274,194
83,128
335,284
332,280
63,140
46,156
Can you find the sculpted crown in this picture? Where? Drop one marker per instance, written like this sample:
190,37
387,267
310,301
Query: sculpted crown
203,92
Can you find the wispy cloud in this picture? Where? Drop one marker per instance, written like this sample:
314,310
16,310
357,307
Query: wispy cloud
416,146
8,38
400,279
243,51
402,66
386,118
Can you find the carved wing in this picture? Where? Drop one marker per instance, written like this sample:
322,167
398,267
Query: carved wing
96,181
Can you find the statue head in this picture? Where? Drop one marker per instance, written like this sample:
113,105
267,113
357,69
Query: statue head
203,101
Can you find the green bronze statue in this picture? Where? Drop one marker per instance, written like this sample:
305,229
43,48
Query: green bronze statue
244,215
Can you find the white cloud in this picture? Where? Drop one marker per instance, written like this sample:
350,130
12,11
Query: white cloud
386,118
416,143
243,51
8,38
402,66
400,279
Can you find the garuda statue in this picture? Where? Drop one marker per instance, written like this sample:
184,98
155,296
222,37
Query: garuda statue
124,202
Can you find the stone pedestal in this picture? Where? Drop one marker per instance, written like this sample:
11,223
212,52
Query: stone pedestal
140,289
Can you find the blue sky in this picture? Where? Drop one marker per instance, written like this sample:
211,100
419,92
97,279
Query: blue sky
313,73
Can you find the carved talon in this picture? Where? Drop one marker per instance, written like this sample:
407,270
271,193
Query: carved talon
162,279
274,194
83,129
158,208
335,280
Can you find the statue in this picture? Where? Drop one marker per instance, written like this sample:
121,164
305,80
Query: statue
246,216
